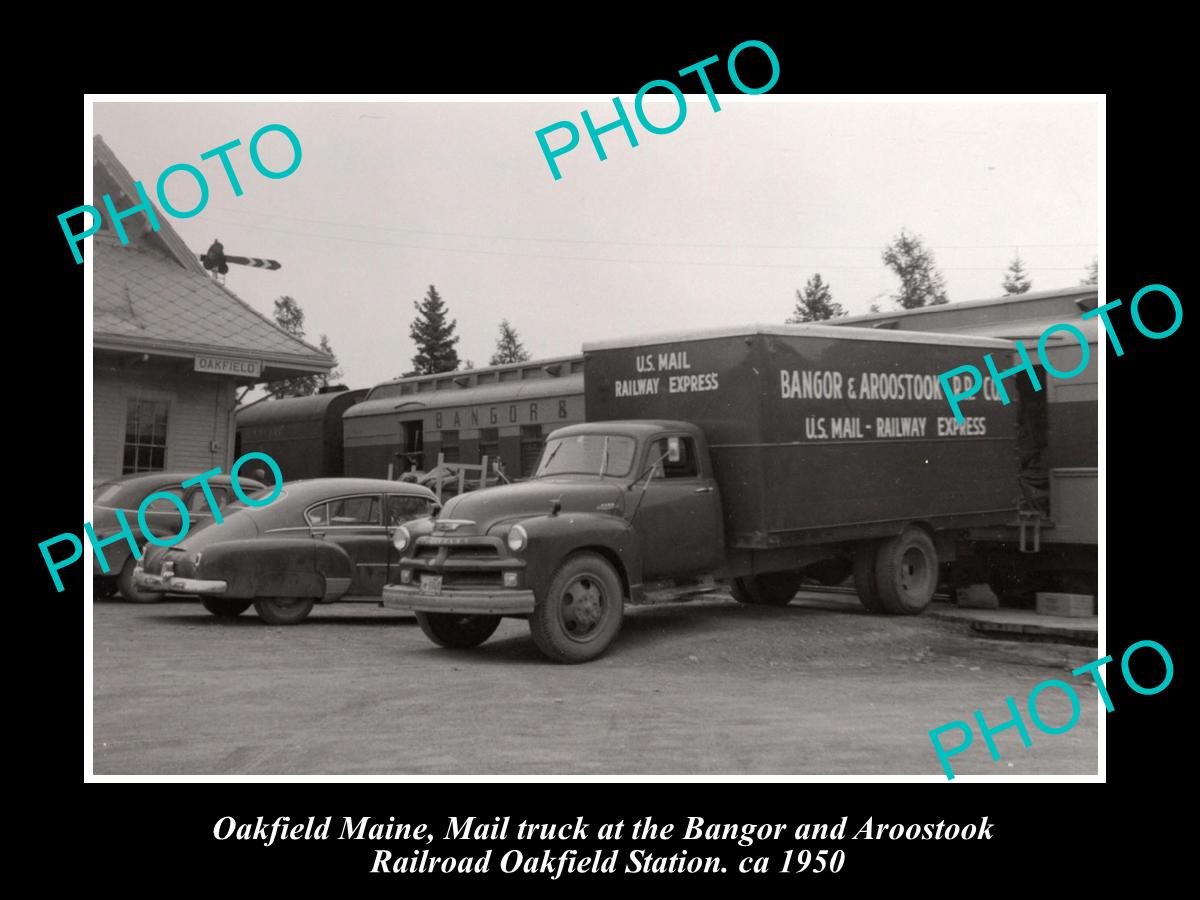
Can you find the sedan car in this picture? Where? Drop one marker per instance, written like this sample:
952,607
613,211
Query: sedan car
126,494
318,541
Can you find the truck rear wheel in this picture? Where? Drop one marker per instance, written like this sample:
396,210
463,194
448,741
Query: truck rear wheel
770,589
283,610
580,615
455,631
864,578
906,572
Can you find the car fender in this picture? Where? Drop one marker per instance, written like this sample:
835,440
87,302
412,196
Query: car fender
553,538
278,567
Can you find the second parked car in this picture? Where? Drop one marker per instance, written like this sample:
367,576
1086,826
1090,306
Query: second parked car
320,540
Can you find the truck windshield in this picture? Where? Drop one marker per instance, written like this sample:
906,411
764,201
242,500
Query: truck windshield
588,454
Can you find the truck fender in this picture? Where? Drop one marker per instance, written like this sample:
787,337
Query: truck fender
557,537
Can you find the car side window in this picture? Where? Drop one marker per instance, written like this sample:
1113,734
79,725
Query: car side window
354,511
402,507
686,467
317,515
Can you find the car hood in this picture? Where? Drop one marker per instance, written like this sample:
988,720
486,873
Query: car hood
509,503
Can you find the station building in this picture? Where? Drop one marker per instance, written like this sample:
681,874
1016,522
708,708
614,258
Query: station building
500,412
171,347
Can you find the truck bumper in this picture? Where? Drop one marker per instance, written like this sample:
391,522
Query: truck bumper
493,603
148,582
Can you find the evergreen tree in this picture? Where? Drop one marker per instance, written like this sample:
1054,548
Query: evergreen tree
921,284
509,348
434,337
1093,272
1016,278
815,303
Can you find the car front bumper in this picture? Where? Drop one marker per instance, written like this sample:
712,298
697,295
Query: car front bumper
506,602
149,582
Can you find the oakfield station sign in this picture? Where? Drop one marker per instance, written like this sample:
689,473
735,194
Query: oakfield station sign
229,365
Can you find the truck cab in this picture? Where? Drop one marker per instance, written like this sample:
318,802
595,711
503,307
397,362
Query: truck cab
611,506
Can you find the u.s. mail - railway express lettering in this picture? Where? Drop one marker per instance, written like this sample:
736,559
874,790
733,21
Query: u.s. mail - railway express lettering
655,375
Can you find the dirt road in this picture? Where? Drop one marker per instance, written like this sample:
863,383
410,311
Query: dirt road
707,688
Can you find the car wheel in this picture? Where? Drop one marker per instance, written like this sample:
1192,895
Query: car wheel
770,589
225,607
131,593
580,615
906,572
864,578
283,610
460,632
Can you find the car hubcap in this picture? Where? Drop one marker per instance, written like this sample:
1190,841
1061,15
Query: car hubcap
582,607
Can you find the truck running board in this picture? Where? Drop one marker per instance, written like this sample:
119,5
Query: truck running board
676,591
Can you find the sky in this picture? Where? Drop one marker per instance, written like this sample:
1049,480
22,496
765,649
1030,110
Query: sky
717,223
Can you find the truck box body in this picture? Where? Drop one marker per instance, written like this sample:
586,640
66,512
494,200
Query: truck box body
822,433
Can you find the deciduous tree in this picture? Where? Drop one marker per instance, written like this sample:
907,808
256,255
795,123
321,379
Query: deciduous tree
921,284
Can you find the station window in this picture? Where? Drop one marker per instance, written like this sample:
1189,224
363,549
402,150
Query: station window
145,436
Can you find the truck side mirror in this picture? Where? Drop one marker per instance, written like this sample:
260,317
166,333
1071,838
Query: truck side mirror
673,449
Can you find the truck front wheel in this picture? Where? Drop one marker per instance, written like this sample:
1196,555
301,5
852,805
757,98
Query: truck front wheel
580,615
771,589
455,631
906,572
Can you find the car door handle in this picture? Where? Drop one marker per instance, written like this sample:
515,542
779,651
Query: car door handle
704,490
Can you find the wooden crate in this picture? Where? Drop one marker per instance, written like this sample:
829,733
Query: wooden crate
1073,605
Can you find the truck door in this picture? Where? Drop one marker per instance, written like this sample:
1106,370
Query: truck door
679,519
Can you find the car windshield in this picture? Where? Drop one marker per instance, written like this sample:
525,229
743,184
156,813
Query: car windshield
588,454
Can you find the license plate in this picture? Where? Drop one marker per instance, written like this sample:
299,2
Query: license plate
431,584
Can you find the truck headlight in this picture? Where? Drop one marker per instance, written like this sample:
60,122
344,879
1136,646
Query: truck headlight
517,539
401,540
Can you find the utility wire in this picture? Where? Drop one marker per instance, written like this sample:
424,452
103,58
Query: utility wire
551,240
603,259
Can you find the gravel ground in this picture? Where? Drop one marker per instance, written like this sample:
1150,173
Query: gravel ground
703,688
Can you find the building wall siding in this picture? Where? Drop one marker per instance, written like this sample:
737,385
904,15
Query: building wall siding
201,411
